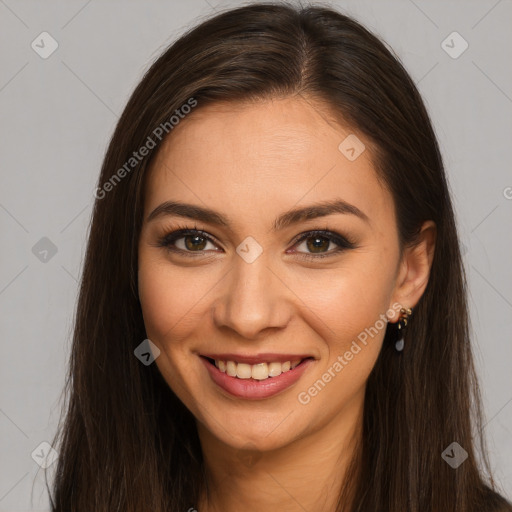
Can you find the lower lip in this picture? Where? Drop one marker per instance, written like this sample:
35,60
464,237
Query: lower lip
252,389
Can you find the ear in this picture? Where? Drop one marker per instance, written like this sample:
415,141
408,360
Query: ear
414,270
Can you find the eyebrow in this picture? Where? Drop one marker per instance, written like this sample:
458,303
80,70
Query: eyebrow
286,219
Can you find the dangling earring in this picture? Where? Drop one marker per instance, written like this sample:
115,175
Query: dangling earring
405,313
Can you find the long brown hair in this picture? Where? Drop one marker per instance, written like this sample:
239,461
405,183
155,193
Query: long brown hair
127,443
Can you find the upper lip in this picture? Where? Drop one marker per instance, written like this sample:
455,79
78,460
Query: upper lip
257,358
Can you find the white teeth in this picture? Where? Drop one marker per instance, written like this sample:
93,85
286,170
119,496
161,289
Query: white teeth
260,371
274,369
243,371
231,368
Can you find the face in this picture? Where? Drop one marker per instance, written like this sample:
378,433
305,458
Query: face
256,284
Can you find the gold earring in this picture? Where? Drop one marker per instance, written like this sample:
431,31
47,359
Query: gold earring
405,313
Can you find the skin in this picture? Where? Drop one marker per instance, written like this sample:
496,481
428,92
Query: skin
252,162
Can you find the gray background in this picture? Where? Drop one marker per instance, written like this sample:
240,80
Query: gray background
57,115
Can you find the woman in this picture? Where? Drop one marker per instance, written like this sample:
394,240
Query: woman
273,303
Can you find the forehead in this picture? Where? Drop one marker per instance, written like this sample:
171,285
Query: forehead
264,156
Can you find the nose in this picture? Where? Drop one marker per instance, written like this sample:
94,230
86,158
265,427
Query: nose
254,298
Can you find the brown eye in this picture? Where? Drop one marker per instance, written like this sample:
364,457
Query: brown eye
316,244
186,242
194,242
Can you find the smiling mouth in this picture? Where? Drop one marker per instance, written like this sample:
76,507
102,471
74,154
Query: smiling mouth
255,372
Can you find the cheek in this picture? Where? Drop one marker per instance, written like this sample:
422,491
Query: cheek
171,302
352,333
169,299
349,309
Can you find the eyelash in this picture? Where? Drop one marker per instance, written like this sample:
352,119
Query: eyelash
183,231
